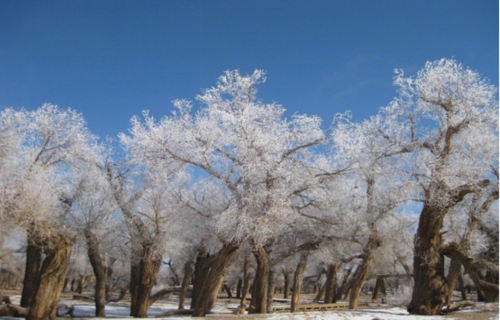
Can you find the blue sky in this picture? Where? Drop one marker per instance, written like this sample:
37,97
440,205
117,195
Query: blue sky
112,59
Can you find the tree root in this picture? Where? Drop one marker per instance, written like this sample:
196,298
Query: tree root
457,306
12,310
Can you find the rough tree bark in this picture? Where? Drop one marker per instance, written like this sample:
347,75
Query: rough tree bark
430,289
219,286
213,278
31,272
260,283
100,276
143,277
51,279
297,280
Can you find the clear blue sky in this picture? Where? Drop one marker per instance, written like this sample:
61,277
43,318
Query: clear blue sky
112,59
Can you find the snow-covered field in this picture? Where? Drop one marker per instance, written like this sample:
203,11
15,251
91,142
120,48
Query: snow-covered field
120,310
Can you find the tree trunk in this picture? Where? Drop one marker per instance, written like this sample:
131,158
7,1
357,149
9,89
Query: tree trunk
363,270
270,291
452,277
51,279
343,286
330,284
31,272
430,286
82,282
379,287
462,286
491,296
186,280
147,269
321,293
238,289
472,267
297,280
200,275
100,276
219,287
260,283
246,281
213,278
286,289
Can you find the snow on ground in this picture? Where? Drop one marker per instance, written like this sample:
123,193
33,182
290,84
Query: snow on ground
120,310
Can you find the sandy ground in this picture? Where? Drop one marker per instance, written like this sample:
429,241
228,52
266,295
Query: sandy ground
224,307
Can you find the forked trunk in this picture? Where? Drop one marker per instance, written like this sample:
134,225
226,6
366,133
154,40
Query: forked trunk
430,288
31,272
260,283
213,279
51,279
297,280
331,280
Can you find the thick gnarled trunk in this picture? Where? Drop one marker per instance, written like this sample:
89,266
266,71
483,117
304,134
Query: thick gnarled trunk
212,281
51,279
143,277
430,288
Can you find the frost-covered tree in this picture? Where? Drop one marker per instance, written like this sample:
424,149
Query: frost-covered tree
435,126
94,217
257,156
377,190
146,199
40,152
